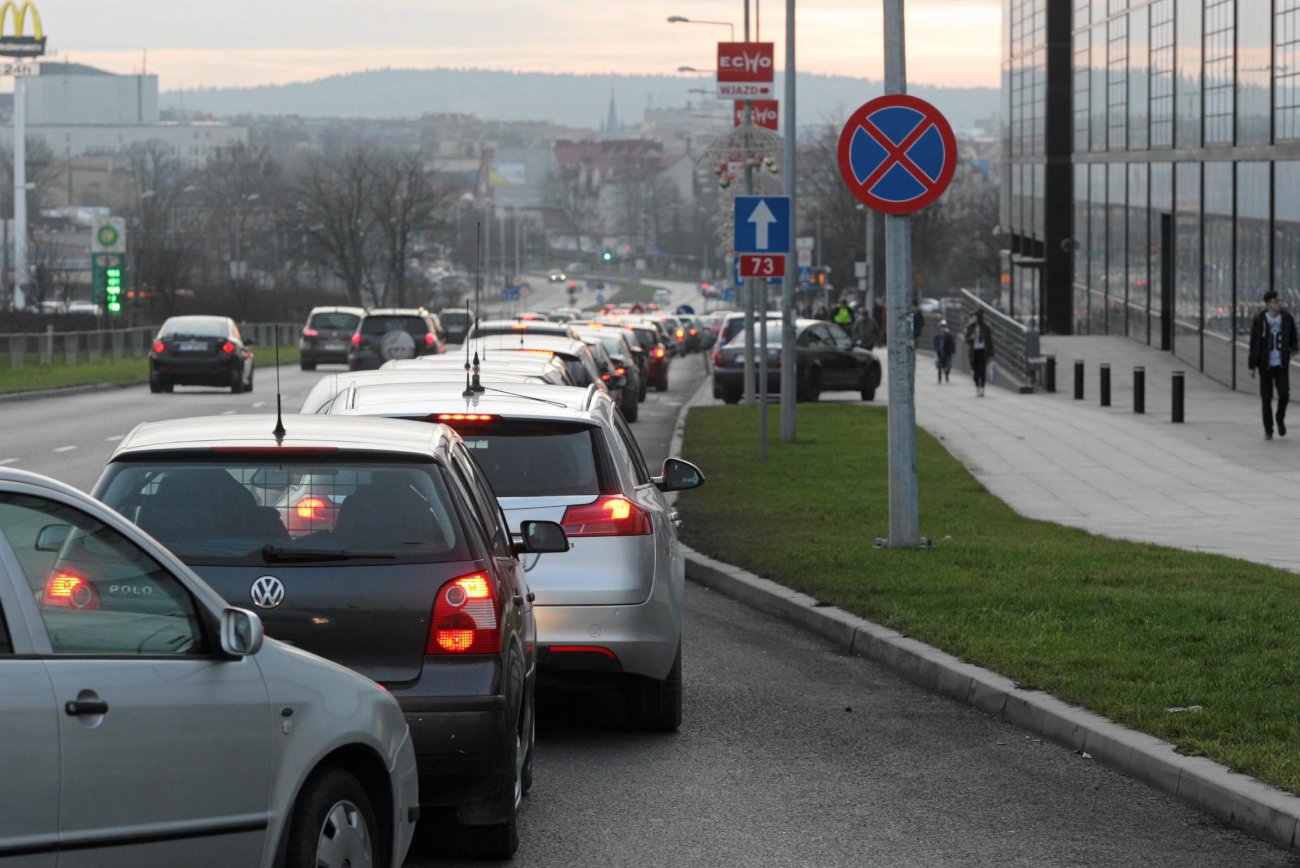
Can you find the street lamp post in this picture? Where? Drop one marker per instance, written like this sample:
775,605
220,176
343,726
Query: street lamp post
868,283
681,19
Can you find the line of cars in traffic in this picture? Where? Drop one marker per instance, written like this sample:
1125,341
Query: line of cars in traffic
445,540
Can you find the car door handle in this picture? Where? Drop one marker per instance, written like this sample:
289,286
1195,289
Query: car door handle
79,707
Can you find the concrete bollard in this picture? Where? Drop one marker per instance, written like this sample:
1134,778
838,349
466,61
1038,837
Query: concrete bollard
1139,390
1177,408
1078,379
1105,385
1049,374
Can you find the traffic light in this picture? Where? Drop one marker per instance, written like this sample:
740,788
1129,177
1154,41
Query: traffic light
113,290
608,256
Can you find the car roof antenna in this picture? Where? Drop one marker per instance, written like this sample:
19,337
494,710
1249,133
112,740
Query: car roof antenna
279,431
472,385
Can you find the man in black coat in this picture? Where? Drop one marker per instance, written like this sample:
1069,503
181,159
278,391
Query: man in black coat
1272,341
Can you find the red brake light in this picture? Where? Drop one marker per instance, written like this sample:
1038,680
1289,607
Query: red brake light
159,346
717,358
73,592
659,352
608,516
465,618
429,339
228,347
312,508
465,417
519,326
681,333
694,332
309,332
356,339
620,371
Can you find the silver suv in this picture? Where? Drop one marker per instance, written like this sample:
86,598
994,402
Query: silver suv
610,609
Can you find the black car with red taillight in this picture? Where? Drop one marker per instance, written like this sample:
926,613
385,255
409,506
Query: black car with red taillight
377,544
327,335
200,351
393,333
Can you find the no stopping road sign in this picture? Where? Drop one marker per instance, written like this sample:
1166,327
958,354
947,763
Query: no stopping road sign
897,154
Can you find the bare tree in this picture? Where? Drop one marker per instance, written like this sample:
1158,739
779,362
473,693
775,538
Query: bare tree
161,254
241,192
570,192
335,201
408,206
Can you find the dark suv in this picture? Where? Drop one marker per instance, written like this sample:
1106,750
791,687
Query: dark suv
326,335
391,333
379,545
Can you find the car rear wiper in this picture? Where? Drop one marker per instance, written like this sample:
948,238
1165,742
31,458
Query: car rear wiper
279,553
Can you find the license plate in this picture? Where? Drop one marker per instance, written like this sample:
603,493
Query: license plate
335,347
192,346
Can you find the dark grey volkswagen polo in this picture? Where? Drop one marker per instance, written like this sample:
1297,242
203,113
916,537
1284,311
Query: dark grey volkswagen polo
378,544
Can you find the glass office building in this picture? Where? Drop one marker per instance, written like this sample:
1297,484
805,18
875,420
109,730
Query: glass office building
1153,158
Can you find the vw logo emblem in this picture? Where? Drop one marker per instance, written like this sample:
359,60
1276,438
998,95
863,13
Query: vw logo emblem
268,592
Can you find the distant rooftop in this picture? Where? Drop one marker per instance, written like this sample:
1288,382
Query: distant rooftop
69,68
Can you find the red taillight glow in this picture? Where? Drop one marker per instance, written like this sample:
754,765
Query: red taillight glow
681,333
694,332
429,339
228,347
356,339
519,326
609,516
466,417
159,346
73,592
311,508
309,332
465,618
660,352
621,371
717,358
582,649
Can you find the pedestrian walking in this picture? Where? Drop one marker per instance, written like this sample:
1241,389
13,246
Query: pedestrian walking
979,341
918,321
1272,342
843,315
866,332
945,346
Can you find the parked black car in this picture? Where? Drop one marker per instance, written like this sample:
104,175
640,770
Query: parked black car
393,333
379,545
200,351
827,360
326,335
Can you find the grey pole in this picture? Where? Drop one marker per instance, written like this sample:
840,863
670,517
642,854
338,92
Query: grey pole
20,192
788,418
871,258
904,512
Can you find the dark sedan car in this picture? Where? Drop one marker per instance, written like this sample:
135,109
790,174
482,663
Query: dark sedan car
326,335
826,360
393,333
200,351
379,545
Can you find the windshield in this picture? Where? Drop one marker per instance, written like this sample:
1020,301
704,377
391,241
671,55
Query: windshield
454,320
252,513
205,327
773,334
335,320
531,458
379,325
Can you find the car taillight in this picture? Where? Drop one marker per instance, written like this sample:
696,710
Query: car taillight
228,347
718,359
609,516
73,592
313,508
429,339
465,417
159,346
309,332
620,371
356,339
694,332
465,618
681,333
660,352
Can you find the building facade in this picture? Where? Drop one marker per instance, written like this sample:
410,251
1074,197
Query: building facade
1153,165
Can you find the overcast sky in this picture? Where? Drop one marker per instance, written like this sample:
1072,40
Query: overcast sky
200,43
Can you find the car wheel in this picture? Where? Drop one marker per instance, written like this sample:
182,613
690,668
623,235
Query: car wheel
168,387
155,385
333,824
237,383
308,366
656,706
810,387
662,384
730,396
631,408
249,386
528,758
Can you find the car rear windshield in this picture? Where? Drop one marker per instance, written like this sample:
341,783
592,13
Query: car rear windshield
382,325
201,327
334,320
454,320
248,512
535,458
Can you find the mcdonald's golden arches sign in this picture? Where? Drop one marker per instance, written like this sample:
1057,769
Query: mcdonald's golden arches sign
14,38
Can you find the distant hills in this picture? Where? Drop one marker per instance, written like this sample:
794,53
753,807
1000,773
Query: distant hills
566,99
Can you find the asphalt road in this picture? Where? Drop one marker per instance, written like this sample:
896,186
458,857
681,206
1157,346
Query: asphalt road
790,753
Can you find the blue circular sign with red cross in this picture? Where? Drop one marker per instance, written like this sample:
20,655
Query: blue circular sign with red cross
897,154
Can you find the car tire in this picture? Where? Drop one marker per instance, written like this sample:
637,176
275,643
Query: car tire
632,408
308,366
333,823
155,385
656,706
869,384
810,385
729,396
249,386
237,383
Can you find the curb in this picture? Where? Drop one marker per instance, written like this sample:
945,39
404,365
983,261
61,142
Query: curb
1237,799
56,393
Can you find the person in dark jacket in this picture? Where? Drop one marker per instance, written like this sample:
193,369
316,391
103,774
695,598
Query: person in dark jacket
1272,341
945,345
979,341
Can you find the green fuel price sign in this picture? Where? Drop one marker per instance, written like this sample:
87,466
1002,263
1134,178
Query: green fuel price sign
108,281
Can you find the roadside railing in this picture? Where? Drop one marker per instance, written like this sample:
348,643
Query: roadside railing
21,349
1015,345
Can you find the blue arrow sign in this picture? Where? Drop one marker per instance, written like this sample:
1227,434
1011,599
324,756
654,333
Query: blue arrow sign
728,293
510,292
762,224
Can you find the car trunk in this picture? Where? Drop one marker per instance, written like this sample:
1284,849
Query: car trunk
373,619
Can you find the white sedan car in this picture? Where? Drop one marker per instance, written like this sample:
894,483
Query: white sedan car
161,728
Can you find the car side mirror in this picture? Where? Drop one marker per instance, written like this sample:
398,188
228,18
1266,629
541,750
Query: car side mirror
679,475
241,632
52,537
540,537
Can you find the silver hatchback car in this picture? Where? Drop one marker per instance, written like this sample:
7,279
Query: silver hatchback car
609,611
159,727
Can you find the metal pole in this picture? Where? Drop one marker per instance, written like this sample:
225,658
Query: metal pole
20,192
788,418
1049,376
871,257
1078,379
748,283
1139,390
1105,385
904,509
1177,408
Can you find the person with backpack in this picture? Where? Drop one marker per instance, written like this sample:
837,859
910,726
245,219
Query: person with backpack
945,346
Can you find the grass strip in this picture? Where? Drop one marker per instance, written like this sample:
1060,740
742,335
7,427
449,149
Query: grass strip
1130,630
119,372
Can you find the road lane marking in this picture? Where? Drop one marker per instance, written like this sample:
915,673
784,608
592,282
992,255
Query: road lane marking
64,448
229,412
4,461
114,438
259,404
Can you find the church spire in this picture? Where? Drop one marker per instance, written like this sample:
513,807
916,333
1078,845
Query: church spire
612,126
